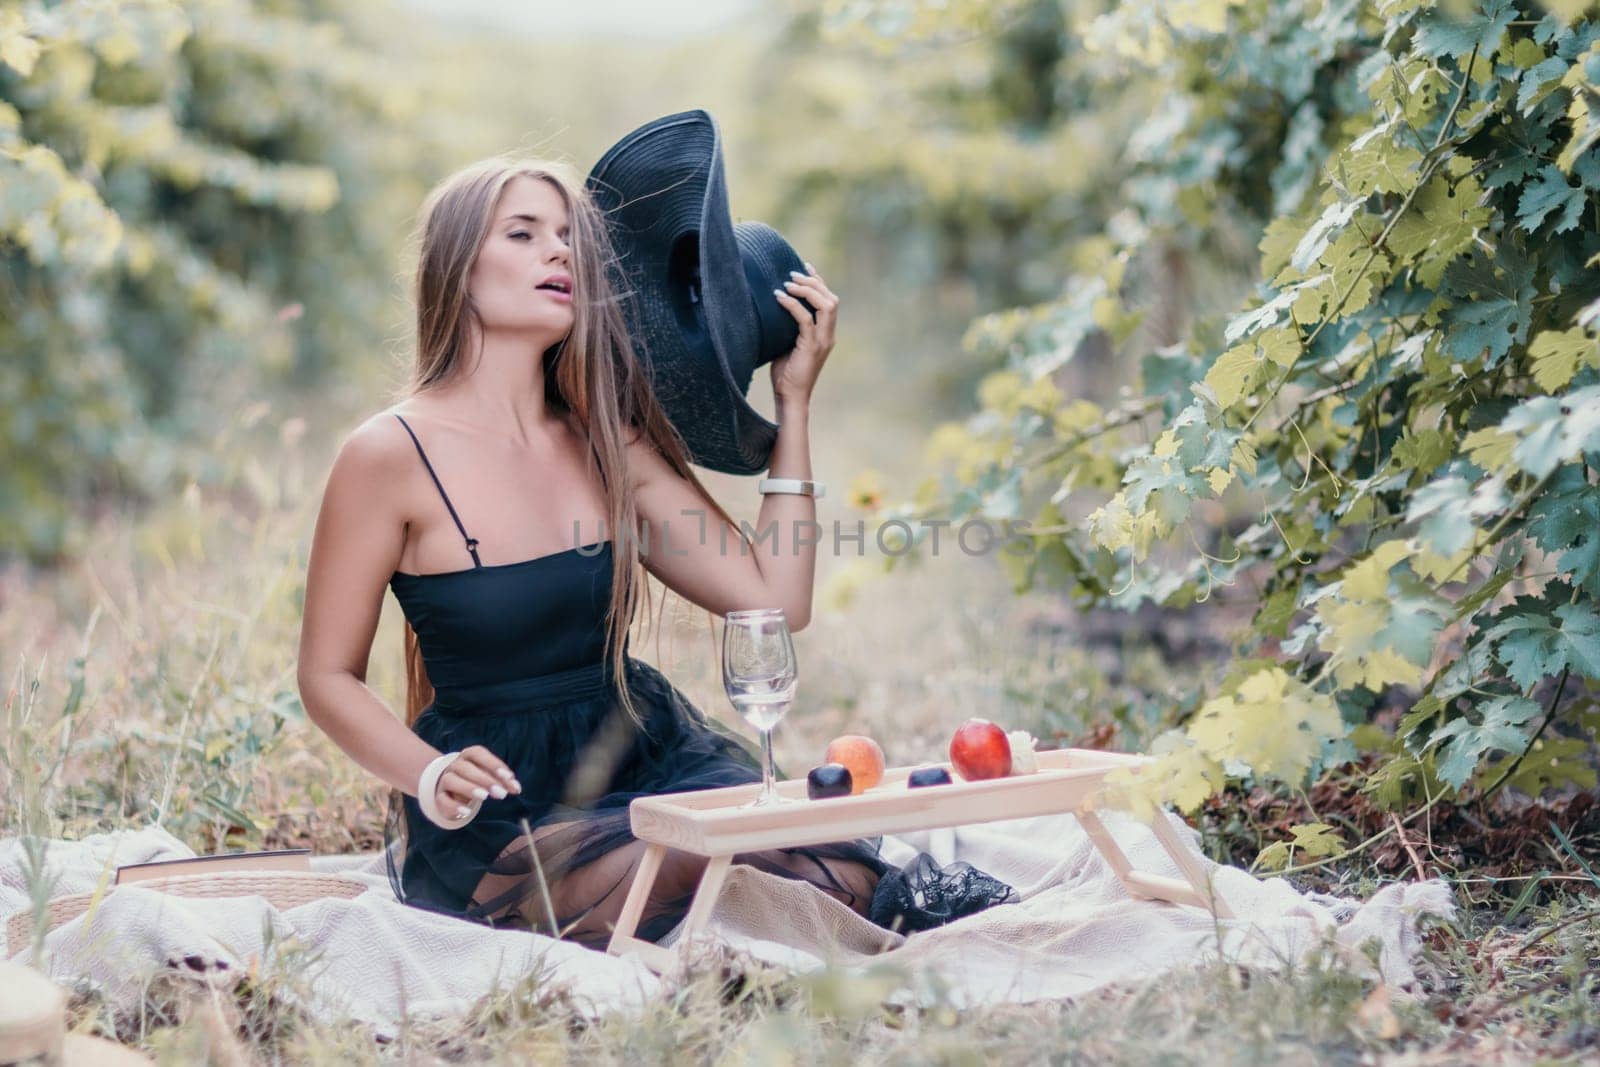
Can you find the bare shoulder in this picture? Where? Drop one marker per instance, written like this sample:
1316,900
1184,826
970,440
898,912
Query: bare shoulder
374,464
356,547
377,446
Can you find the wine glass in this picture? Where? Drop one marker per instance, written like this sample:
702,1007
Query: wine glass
759,675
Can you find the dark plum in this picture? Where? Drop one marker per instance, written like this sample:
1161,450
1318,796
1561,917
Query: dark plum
928,776
829,780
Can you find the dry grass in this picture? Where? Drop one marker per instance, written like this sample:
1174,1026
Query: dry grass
1489,998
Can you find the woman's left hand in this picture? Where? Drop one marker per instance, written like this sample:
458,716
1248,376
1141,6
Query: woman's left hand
795,374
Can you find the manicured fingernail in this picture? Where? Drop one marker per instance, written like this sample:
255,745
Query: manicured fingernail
481,793
504,772
779,292
796,274
810,269
516,786
463,812
499,792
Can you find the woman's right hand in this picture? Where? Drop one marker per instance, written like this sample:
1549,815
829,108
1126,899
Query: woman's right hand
476,775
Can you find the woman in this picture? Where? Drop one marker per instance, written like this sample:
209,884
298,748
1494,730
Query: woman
529,415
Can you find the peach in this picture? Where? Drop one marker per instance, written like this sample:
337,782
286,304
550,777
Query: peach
862,755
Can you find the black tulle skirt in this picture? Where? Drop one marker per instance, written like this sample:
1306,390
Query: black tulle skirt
580,760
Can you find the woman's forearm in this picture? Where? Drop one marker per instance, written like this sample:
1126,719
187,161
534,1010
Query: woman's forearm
361,724
790,568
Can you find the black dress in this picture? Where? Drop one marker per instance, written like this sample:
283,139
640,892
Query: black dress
516,655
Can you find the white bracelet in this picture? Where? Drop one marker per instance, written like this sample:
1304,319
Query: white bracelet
428,792
802,486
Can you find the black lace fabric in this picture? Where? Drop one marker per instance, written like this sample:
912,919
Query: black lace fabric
924,894
560,856
568,875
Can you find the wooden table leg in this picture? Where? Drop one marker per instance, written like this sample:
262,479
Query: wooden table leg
622,939
1116,859
706,896
1192,889
1193,870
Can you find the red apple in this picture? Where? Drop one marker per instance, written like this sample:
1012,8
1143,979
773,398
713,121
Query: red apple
980,750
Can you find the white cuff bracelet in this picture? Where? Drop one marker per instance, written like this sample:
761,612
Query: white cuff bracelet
802,486
428,793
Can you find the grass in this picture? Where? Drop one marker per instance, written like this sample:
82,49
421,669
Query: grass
154,680
1488,996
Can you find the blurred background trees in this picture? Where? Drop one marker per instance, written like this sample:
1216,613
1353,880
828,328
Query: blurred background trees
198,203
955,158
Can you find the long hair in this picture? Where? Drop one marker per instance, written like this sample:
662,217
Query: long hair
593,373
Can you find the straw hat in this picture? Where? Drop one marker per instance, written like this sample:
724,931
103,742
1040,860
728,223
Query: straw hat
33,1026
282,889
702,306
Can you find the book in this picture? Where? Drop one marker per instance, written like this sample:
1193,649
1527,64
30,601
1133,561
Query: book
288,859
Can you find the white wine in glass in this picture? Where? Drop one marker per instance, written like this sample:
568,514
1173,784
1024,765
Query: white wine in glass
759,674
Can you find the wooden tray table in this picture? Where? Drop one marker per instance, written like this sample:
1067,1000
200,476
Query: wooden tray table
711,823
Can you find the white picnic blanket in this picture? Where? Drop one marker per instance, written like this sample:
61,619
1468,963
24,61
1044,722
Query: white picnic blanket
375,960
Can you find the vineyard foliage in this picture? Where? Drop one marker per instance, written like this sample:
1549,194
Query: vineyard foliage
1390,450
196,198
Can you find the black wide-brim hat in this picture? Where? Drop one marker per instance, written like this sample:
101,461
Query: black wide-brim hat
697,289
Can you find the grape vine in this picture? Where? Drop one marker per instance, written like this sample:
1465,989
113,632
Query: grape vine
1394,444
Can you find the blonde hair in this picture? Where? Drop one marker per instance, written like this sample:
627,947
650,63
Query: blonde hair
592,373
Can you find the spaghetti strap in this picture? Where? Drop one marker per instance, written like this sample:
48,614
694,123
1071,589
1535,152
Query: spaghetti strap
472,542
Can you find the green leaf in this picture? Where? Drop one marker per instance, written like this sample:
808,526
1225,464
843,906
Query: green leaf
1281,346
1539,81
1546,193
1440,34
1463,744
1423,450
1447,509
1244,456
1552,430
1259,318
1526,53
1531,647
1387,785
1273,723
1557,355
1528,144
1275,613
1569,522
1310,839
1380,628
1275,857
1441,224
1357,271
1332,220
1554,763
1236,373
1494,303
1379,165
1277,244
